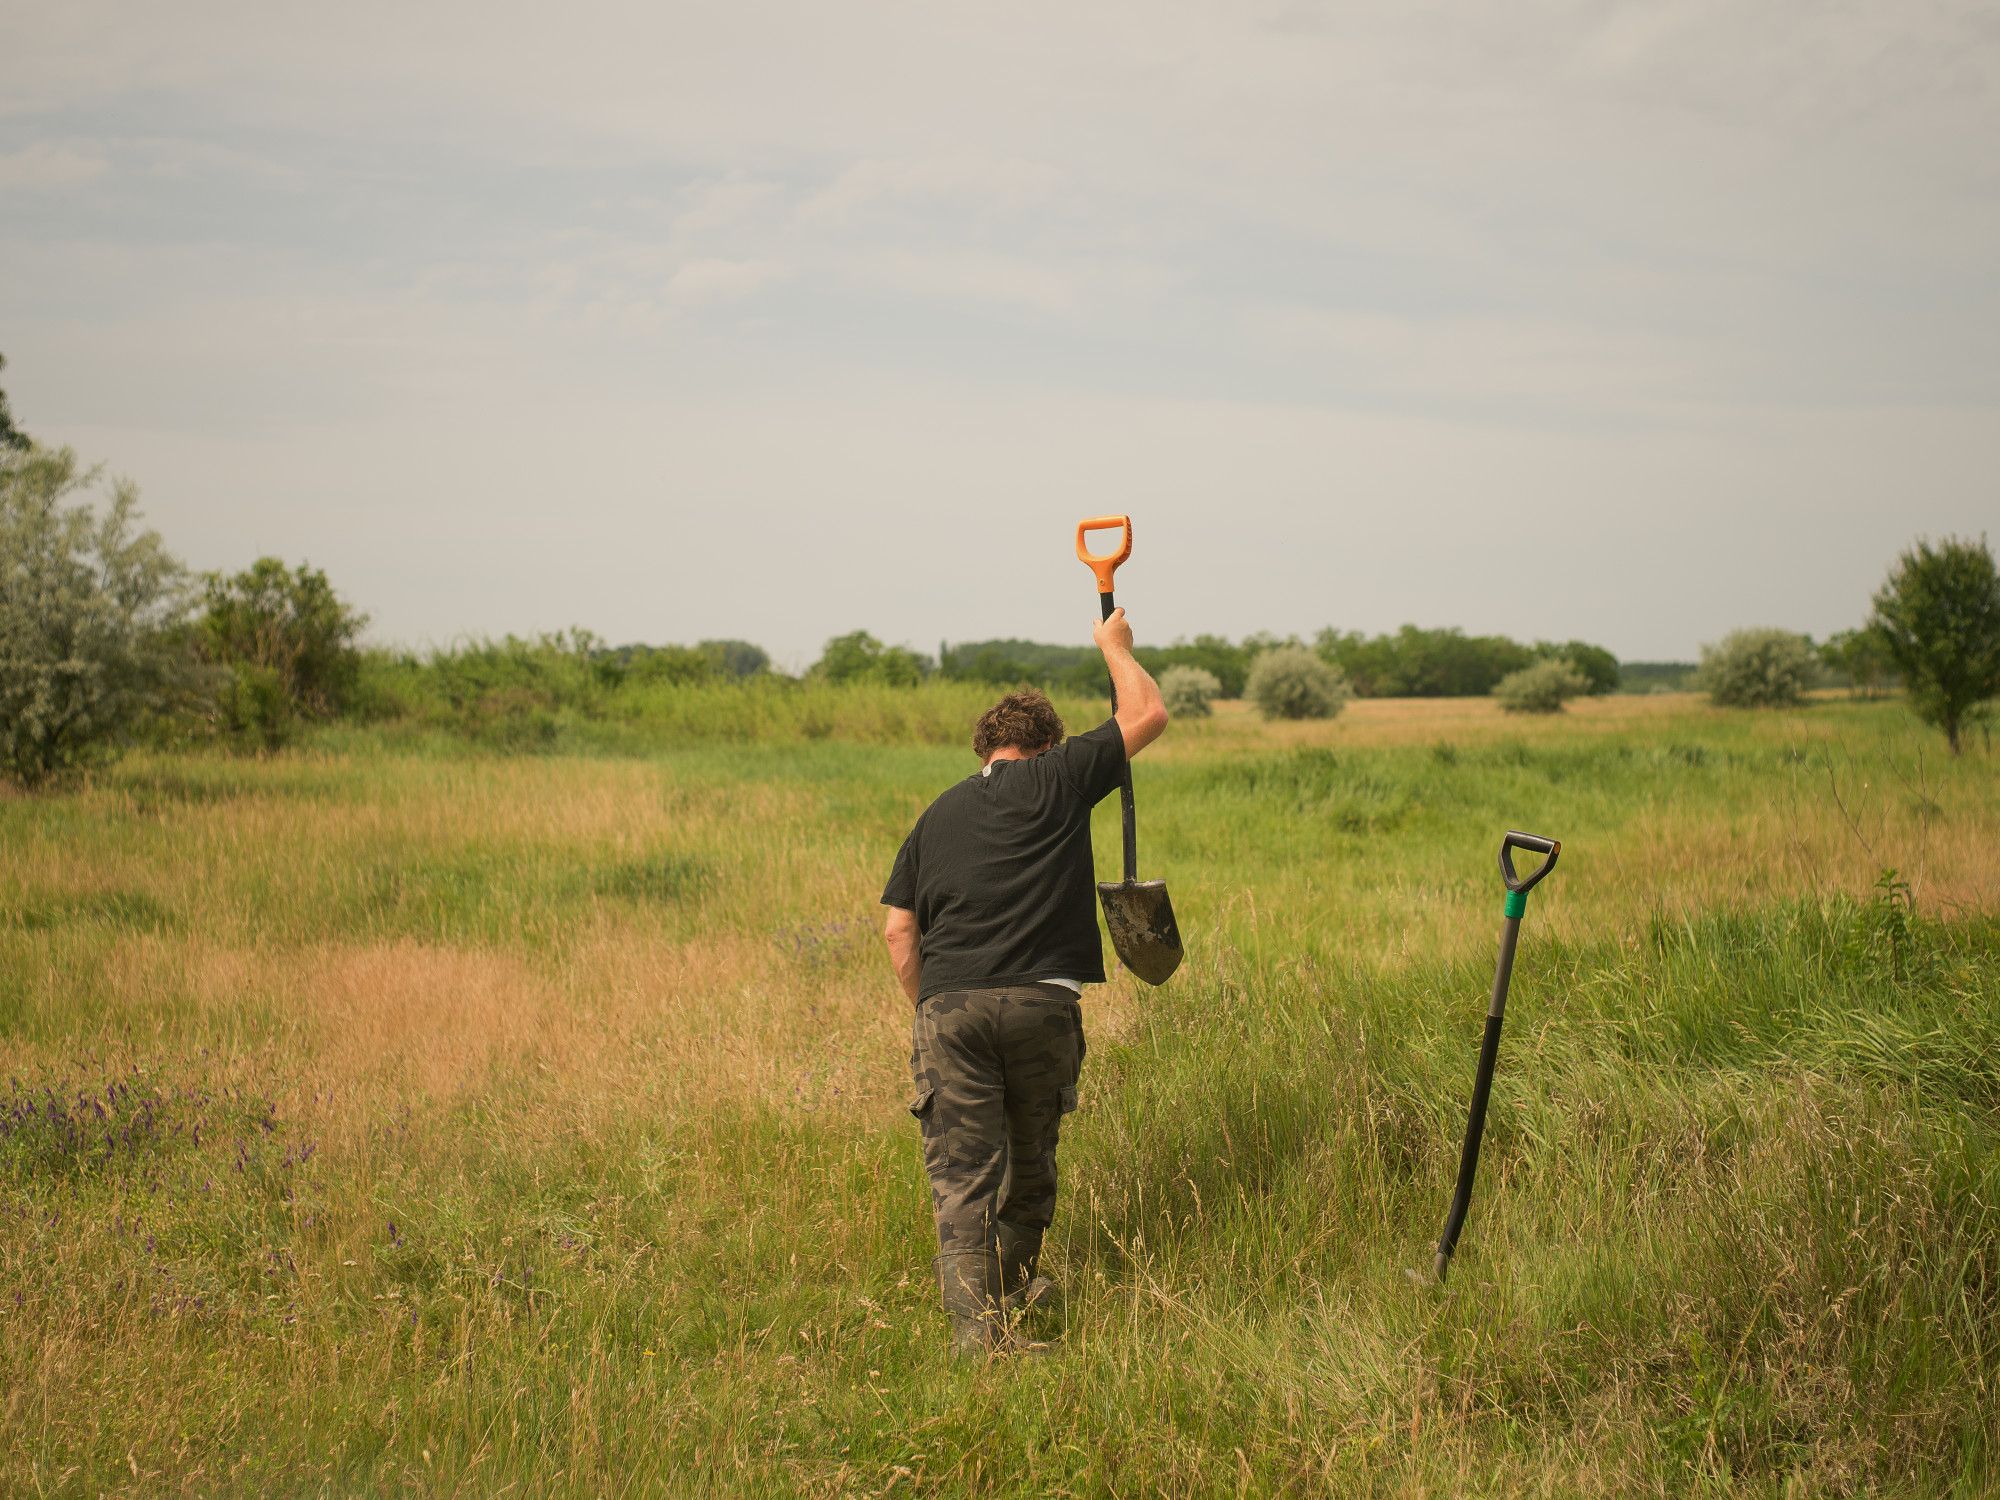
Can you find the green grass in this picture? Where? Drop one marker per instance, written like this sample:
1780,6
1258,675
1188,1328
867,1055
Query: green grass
391,1116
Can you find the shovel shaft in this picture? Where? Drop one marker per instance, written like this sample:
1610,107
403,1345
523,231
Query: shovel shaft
1482,1088
1104,603
1137,913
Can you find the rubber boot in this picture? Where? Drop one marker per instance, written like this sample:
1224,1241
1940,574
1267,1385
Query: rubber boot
970,1283
1020,1257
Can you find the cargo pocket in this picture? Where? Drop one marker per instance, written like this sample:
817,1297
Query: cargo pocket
1066,1100
924,1110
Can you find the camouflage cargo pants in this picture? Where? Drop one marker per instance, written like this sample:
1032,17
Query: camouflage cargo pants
995,1072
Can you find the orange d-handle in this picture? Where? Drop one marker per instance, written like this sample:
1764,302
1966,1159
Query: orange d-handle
1106,565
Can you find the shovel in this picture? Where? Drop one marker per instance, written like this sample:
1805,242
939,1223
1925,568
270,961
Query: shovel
1138,912
1489,1049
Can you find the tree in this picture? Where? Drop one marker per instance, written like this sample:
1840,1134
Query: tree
736,659
289,643
87,608
11,437
1861,656
1229,665
1542,688
859,657
1010,662
649,666
1758,668
1416,663
1291,682
1939,618
989,664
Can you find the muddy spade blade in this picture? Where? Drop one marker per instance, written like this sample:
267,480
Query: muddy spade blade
1141,918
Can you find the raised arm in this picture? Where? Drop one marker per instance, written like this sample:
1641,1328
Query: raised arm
900,933
1142,712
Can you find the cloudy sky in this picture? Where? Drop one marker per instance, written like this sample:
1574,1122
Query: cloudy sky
1633,322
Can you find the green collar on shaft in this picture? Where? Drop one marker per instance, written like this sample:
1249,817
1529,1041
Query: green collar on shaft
1517,904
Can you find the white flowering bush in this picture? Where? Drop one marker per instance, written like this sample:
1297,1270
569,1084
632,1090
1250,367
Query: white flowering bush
87,603
1290,682
1188,691
1542,688
1758,669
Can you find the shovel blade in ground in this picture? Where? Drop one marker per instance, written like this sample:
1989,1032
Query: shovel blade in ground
1143,930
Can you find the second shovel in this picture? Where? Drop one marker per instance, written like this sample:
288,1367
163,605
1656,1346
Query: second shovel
1138,912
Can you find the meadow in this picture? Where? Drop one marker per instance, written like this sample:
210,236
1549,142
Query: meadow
393,1114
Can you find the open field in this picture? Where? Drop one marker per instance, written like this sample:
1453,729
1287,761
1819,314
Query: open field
390,1116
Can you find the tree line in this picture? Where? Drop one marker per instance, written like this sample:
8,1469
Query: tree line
1409,663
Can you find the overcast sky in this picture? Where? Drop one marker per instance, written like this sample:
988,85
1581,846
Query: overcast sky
1630,322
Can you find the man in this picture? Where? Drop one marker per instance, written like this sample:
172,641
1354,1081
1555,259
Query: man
992,929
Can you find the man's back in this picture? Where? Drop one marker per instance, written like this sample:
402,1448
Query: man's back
999,871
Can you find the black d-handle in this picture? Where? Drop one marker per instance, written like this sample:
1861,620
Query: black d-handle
1535,844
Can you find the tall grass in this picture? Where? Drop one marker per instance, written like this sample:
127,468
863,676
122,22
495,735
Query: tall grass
458,1122
559,694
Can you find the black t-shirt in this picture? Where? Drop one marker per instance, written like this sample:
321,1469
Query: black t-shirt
999,870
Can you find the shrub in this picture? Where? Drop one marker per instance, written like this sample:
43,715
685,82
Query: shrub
1597,667
515,694
859,657
1542,688
1938,617
86,616
1290,682
288,642
1187,691
11,437
1758,668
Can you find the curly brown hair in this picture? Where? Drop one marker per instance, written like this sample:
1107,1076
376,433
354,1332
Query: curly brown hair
1024,719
